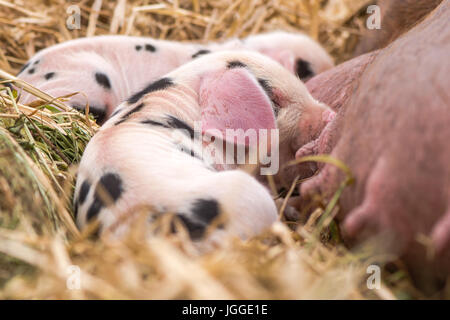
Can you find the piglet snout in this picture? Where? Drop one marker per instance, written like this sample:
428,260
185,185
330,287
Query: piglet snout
320,144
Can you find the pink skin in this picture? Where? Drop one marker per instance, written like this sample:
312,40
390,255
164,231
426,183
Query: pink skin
229,99
334,88
75,63
341,81
392,131
152,170
132,62
287,48
397,17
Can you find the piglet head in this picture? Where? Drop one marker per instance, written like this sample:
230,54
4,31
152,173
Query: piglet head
299,117
301,124
247,90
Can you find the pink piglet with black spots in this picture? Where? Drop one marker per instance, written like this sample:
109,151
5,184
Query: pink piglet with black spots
137,160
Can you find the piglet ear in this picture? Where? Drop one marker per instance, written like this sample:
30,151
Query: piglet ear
233,99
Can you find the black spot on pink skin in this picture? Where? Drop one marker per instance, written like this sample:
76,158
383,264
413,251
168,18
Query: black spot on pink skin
150,48
188,151
31,71
103,80
176,123
200,53
49,75
236,64
138,48
154,123
84,190
206,210
98,113
36,62
116,112
94,209
203,212
23,68
303,69
172,123
134,110
111,183
129,113
160,84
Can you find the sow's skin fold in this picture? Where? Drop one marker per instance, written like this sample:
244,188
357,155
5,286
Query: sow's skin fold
136,157
108,69
392,130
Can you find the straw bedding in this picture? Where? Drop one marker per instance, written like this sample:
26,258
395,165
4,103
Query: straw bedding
40,247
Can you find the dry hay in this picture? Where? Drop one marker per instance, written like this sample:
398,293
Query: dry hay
39,149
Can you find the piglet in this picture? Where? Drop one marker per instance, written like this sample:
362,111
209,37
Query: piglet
108,69
393,131
150,154
105,70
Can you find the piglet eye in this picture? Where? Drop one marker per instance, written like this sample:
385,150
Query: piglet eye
304,69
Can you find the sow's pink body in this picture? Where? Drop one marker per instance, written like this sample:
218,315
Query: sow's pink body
393,131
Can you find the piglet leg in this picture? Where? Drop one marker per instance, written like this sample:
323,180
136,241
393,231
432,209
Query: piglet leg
324,143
